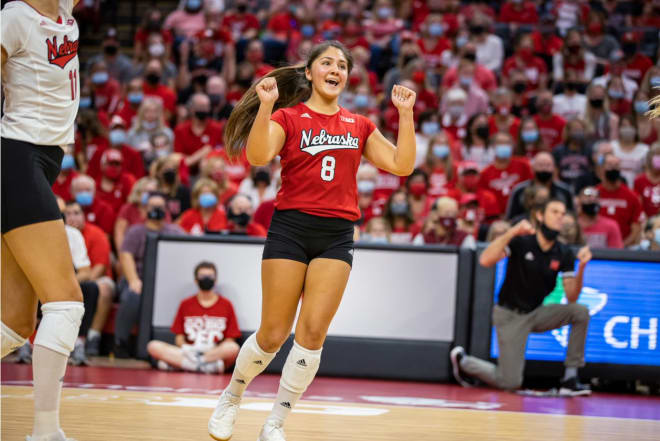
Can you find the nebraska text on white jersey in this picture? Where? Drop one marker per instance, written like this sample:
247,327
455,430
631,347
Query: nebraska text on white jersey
324,141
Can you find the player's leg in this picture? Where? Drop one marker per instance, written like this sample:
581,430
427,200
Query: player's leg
103,306
324,287
282,283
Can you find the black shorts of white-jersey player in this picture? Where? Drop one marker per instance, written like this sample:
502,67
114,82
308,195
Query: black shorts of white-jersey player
535,260
302,252
40,81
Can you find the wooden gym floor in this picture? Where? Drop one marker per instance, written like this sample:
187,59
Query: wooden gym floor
134,404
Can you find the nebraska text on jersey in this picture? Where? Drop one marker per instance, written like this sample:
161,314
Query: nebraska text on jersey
62,54
324,141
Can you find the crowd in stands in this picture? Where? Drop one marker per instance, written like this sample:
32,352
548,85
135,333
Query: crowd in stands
517,102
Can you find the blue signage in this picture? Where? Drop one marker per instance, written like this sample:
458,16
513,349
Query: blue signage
624,303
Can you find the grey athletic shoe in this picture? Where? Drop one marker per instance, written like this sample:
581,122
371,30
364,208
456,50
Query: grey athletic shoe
78,357
93,346
24,353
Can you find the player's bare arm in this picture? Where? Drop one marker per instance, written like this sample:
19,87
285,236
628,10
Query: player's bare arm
266,137
400,159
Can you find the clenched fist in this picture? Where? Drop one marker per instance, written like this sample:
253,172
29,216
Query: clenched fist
403,98
267,90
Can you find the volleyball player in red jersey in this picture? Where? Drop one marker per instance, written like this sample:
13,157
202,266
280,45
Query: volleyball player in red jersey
310,240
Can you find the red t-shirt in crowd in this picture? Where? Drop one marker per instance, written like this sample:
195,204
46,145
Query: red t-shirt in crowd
98,247
525,15
126,112
514,127
205,327
100,213
636,68
282,23
533,68
142,34
163,92
131,213
96,143
650,194
236,169
253,229
502,181
187,142
439,185
63,188
118,195
320,158
621,205
264,213
547,46
551,129
239,23
482,76
132,162
191,220
432,54
604,233
386,184
107,96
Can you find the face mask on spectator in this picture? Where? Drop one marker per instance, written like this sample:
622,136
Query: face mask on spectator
596,103
215,99
153,78
207,200
381,239
595,28
436,29
418,189
156,50
483,131
615,94
85,102
242,219
465,81
545,107
399,208
111,50
456,110
149,125
68,163
308,31
543,176
242,8
470,56
99,78
169,176
430,128
530,135
590,209
519,87
218,176
117,136
384,12
574,48
448,223
145,198
471,182
366,187
577,138
156,214
613,176
361,101
245,83
85,198
627,133
461,41
572,85
441,151
261,176
477,29
193,5
154,25
206,283
548,232
655,81
135,98
641,107
629,49
655,162
112,172
202,115
503,151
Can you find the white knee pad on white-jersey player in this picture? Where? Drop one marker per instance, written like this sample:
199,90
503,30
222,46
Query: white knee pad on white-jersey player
252,360
300,368
59,326
10,340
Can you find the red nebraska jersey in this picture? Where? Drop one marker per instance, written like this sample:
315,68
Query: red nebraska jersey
650,194
551,129
621,205
205,327
502,181
320,158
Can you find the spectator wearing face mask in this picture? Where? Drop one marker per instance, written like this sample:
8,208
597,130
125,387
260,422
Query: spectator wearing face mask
551,125
454,119
476,144
150,121
468,184
439,166
544,169
573,56
601,122
91,135
599,231
187,20
648,128
216,89
619,203
616,80
629,150
259,186
400,219
62,185
134,210
570,103
167,171
239,215
131,257
505,172
114,184
97,211
118,65
152,23
477,98
215,168
651,241
366,186
133,97
377,231
156,50
206,215
211,51
132,159
433,41
481,75
254,57
570,232
524,59
490,50
153,86
243,24
429,125
620,99
636,63
106,90
647,184
502,120
417,186
596,40
441,226
596,174
380,28
519,12
205,329
523,102
573,157
200,135
529,139
160,146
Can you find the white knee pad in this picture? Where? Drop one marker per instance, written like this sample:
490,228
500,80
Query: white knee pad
300,368
59,326
10,340
252,360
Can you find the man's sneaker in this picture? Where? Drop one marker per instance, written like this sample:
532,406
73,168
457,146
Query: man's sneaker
57,436
573,388
272,431
221,423
213,367
93,346
24,354
78,357
456,355
163,366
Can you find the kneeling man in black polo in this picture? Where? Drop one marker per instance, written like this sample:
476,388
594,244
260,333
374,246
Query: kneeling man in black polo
535,260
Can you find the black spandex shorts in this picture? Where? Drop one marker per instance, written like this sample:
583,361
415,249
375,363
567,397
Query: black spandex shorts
28,172
299,236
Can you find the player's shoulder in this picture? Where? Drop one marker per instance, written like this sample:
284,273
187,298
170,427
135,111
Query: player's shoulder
18,12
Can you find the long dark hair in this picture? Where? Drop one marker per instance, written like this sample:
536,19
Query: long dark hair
293,88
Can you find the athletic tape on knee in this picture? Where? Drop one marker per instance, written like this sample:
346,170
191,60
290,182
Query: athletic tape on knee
252,360
59,326
300,368
10,340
